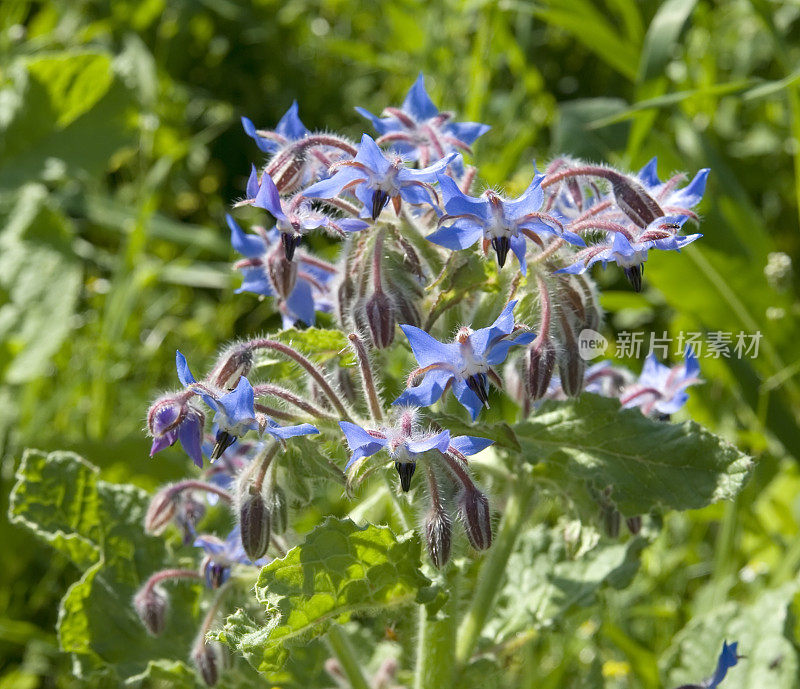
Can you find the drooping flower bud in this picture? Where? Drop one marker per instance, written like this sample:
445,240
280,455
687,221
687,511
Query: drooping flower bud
152,604
571,366
473,507
612,520
282,273
235,362
161,511
540,360
438,535
634,201
634,524
380,319
208,659
254,519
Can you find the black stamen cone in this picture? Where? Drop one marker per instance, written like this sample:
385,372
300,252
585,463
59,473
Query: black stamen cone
224,441
501,245
379,200
290,243
479,384
406,471
634,275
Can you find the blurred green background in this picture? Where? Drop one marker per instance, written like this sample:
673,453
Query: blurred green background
120,150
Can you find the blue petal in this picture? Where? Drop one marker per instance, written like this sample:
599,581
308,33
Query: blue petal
466,131
692,193
352,224
427,174
370,154
483,339
249,245
499,350
440,441
382,125
361,443
301,302
238,404
621,246
519,246
649,173
418,103
428,391
691,363
727,659
284,432
265,145
470,445
184,374
429,350
268,198
252,183
290,125
211,544
458,203
529,202
468,399
190,433
328,188
255,281
460,235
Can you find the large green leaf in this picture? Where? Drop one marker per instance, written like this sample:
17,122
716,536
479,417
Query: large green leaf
340,569
544,580
642,463
98,525
761,629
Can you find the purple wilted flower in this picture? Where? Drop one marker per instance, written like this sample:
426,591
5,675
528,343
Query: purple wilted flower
673,201
222,555
235,411
301,287
505,223
465,363
627,246
294,217
419,131
728,658
662,389
375,179
288,129
175,417
405,443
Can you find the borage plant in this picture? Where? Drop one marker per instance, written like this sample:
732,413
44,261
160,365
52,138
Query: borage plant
376,506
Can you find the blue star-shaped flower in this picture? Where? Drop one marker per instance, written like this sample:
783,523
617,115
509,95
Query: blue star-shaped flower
405,445
171,419
419,131
309,288
375,179
502,222
465,363
294,217
660,388
289,129
222,555
235,411
630,252
673,201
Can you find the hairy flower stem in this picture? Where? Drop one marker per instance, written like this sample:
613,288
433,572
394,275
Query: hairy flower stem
367,379
314,371
200,485
377,261
261,464
164,574
436,640
491,576
340,645
291,398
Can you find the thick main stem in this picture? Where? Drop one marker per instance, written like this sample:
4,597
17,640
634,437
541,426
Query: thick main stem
436,641
491,574
340,645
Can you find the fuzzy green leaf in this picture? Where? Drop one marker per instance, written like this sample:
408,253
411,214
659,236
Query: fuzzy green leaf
641,462
339,569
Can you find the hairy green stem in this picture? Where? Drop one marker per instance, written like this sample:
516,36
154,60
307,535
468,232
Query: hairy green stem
340,645
436,642
491,574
